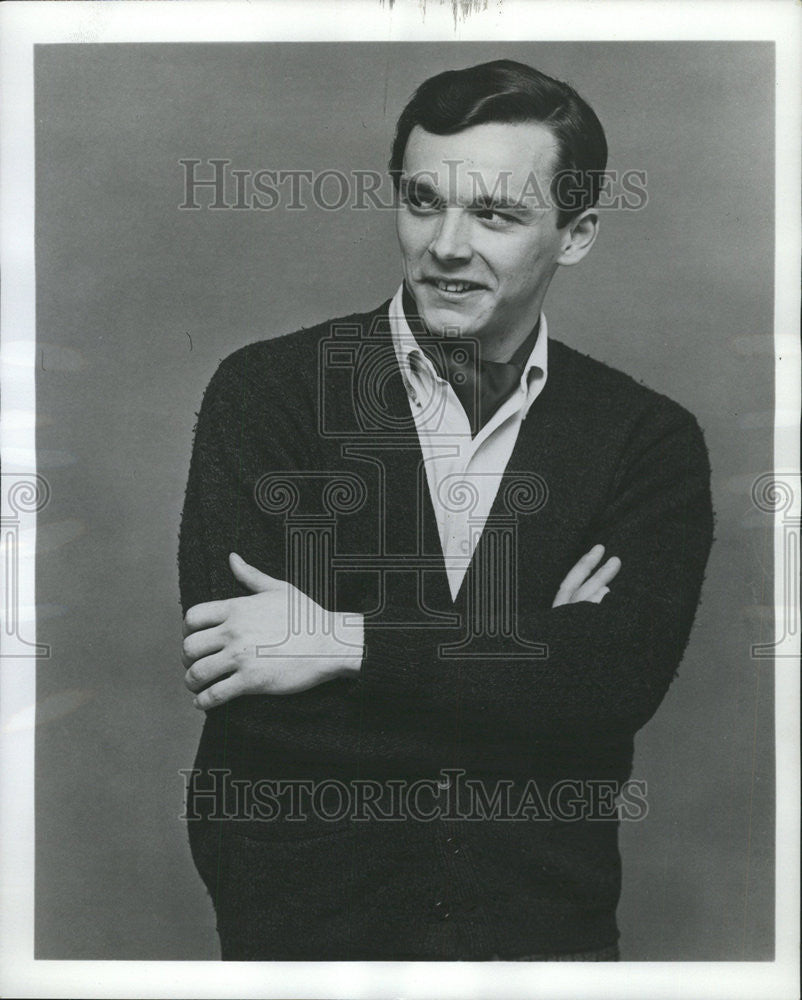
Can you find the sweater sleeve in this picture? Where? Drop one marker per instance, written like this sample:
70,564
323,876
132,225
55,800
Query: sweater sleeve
219,513
607,666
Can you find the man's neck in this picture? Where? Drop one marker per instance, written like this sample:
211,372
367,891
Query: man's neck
503,348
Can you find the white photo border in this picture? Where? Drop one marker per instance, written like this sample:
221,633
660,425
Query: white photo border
26,24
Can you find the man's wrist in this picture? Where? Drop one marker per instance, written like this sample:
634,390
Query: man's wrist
348,630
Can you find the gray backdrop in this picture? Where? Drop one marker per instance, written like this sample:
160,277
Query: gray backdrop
137,302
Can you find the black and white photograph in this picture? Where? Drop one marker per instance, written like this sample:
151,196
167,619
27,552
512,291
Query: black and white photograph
400,499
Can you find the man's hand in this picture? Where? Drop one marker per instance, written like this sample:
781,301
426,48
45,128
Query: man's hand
579,585
275,641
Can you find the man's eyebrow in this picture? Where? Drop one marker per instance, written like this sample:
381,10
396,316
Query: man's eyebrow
502,203
420,184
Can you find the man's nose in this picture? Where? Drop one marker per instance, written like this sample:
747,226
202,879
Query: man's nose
452,238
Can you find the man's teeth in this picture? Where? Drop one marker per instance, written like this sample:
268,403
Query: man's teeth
455,286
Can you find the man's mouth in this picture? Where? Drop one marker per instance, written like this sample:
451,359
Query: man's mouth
452,286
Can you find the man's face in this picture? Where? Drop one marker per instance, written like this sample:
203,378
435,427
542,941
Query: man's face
479,245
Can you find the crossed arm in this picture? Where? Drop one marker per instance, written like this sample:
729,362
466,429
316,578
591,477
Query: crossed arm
610,657
225,642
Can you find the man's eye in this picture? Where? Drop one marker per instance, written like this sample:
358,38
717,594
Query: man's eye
494,215
421,200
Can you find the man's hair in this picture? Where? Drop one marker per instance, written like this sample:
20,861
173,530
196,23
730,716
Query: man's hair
508,91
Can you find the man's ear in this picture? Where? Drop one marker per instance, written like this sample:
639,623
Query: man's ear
579,236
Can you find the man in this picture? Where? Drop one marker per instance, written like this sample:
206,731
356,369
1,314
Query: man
394,581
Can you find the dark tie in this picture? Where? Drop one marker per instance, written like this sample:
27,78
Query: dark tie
481,386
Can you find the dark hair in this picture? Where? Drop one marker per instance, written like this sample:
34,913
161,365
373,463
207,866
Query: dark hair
508,91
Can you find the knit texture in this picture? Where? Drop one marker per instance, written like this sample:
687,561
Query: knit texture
306,462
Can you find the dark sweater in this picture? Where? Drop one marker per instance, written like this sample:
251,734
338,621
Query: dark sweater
306,462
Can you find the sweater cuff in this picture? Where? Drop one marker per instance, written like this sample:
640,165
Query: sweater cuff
387,670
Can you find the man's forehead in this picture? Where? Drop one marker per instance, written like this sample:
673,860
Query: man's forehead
515,157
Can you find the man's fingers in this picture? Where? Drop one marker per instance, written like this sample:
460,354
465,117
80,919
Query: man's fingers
597,597
582,584
205,616
251,577
600,579
220,693
608,571
199,644
208,669
578,574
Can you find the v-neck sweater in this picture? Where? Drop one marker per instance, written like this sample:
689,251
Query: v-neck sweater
306,462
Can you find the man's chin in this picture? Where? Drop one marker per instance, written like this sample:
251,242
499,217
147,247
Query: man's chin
442,319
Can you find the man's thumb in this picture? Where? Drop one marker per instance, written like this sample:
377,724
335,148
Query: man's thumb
249,576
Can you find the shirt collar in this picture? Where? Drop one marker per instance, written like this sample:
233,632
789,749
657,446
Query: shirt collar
409,353
406,347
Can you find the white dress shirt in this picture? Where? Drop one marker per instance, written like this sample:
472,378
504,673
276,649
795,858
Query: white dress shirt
464,473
